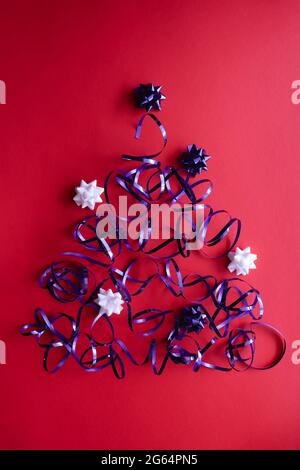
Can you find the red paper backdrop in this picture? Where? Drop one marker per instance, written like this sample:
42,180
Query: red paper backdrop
227,69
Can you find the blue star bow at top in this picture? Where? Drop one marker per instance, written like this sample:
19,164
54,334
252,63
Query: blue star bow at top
194,159
149,96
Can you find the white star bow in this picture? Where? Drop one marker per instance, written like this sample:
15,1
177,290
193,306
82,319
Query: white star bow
88,194
242,261
110,302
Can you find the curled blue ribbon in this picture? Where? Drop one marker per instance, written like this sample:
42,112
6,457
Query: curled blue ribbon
216,308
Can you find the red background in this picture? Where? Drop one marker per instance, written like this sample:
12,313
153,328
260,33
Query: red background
227,69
